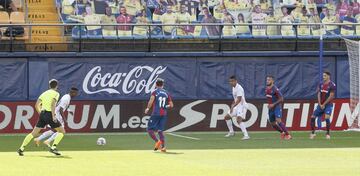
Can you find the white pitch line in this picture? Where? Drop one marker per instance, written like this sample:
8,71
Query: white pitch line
187,137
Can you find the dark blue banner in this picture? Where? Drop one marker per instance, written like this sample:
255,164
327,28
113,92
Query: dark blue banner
185,78
13,79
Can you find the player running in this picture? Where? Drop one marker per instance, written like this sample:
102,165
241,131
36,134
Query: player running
45,106
325,95
275,100
60,109
238,109
160,101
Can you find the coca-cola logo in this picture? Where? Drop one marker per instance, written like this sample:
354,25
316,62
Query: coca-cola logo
95,81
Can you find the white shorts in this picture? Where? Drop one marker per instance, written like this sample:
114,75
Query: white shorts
239,111
60,119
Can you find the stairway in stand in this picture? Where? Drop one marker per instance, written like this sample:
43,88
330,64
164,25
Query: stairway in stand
44,38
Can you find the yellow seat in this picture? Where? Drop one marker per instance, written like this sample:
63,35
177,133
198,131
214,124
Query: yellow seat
4,18
17,18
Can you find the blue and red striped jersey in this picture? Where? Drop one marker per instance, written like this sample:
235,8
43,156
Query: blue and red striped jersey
273,94
325,90
162,99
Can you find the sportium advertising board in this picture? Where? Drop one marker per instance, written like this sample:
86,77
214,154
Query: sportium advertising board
187,115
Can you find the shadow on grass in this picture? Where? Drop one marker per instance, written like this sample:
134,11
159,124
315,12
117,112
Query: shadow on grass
170,153
57,157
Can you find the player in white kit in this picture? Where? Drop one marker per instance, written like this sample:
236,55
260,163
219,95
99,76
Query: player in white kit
238,109
61,107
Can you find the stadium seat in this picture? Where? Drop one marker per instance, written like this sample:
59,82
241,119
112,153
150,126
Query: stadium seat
140,37
125,35
95,34
305,37
260,36
17,18
289,37
75,33
244,36
275,36
4,18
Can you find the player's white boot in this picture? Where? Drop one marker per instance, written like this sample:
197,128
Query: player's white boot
245,138
312,136
230,134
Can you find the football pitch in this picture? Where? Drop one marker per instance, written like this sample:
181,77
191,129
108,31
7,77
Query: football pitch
198,153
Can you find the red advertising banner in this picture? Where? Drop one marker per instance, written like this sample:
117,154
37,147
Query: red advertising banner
188,115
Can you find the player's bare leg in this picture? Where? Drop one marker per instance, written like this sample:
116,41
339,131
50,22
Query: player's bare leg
229,124
58,138
312,124
284,129
35,132
327,120
242,127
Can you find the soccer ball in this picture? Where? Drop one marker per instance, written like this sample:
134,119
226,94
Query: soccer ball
101,141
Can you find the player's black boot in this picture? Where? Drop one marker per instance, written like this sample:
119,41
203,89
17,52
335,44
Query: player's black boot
20,152
54,151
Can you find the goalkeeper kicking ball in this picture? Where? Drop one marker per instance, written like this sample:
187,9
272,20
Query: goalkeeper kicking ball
101,141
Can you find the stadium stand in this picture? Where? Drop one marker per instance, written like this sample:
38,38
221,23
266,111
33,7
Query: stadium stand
291,12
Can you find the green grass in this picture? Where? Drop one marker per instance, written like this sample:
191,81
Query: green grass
211,155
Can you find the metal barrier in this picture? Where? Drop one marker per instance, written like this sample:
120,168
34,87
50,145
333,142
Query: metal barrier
173,42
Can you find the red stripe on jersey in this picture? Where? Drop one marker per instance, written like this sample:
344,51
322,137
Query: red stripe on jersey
162,112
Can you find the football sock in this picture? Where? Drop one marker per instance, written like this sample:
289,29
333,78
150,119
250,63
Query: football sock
152,135
57,140
327,126
230,125
283,127
162,138
312,124
26,141
319,123
52,137
277,128
243,129
45,135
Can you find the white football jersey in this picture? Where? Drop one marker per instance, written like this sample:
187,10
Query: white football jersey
238,91
63,103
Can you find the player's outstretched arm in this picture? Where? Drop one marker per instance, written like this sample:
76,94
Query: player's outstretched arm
150,103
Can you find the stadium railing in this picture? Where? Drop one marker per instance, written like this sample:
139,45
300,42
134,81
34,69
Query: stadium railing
79,39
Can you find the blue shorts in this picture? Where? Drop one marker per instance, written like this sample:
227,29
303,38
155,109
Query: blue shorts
157,123
320,112
275,114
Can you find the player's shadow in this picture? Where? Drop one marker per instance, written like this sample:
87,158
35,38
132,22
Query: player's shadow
58,157
170,153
